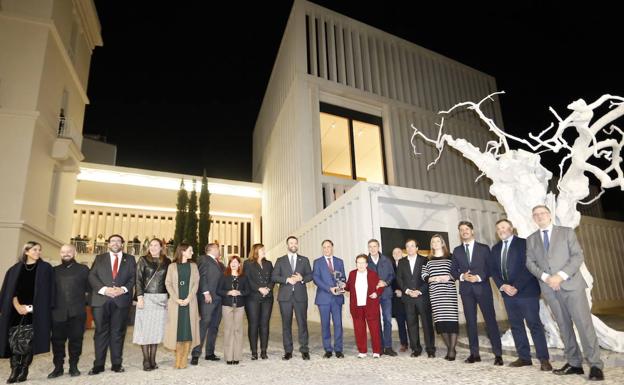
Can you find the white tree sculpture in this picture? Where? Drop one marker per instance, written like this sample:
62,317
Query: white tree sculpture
520,182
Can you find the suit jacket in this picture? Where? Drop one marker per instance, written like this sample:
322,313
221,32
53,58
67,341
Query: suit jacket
517,273
259,277
408,279
398,308
385,271
479,265
324,280
283,271
372,304
72,287
226,285
210,274
564,254
101,275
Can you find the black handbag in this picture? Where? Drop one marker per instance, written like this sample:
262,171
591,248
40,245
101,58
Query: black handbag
20,338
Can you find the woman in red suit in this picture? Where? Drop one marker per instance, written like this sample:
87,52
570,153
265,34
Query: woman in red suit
364,289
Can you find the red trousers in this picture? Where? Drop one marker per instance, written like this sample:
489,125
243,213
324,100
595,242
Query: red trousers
361,317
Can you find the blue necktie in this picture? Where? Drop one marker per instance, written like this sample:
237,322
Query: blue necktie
546,240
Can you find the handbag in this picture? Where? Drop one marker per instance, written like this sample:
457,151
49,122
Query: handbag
20,338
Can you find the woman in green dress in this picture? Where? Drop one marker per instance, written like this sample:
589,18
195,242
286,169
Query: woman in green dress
182,330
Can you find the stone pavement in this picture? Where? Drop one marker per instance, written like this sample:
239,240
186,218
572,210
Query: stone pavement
350,370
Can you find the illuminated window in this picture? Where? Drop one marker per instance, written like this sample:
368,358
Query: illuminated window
351,145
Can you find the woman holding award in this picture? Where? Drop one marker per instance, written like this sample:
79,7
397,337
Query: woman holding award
233,289
363,286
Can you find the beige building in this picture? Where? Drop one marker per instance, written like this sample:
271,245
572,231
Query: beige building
45,54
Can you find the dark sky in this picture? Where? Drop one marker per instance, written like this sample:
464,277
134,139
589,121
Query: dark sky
179,88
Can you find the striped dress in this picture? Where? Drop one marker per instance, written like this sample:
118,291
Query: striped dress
443,295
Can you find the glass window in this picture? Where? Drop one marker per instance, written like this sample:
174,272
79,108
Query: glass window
368,153
336,151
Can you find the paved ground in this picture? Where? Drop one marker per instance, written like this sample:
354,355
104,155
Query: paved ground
386,370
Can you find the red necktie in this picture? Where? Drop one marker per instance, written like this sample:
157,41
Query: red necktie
330,264
116,266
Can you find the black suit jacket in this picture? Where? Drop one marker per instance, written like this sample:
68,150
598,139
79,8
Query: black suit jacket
408,279
101,275
283,271
518,274
72,287
479,265
210,274
259,277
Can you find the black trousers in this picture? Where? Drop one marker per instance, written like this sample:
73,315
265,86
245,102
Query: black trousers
258,318
301,312
210,314
420,307
111,323
72,330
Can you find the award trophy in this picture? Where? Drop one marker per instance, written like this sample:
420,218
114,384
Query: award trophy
340,282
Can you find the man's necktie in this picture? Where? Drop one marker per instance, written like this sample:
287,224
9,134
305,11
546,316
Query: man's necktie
468,253
115,266
546,240
504,262
330,264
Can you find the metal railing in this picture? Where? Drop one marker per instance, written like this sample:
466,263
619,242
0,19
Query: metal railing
133,248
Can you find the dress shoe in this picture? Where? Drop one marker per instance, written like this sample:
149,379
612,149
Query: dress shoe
520,363
305,355
194,360
472,359
569,369
235,362
73,370
57,372
229,362
118,368
339,355
212,357
498,361
415,353
254,356
96,370
327,354
545,366
287,356
403,348
430,354
595,374
263,355
390,352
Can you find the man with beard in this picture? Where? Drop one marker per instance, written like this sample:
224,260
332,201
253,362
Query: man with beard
69,315
112,279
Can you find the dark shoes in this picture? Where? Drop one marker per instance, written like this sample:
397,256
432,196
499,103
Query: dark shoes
287,356
73,370
229,362
212,357
430,354
520,363
403,348
339,355
569,369
254,356
415,353
327,354
595,374
194,360
57,372
498,361
472,359
545,366
117,368
305,356
263,355
96,370
390,352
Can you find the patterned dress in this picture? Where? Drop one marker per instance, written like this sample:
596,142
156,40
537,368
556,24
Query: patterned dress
443,295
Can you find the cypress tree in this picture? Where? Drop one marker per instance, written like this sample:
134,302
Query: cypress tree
204,216
190,227
180,214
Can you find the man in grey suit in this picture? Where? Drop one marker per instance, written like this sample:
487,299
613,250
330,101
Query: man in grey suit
292,272
555,257
210,273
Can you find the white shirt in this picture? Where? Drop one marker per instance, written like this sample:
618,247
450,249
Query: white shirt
361,287
375,259
412,261
561,273
112,262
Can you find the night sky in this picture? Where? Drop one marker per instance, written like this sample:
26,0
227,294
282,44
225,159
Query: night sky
179,88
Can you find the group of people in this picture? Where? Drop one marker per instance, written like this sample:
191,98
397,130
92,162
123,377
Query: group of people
181,303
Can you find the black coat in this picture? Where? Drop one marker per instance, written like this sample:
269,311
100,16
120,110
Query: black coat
101,275
225,285
72,288
259,277
398,307
43,302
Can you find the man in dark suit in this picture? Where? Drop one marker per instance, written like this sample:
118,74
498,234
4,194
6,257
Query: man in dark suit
111,278
69,313
329,297
382,265
292,272
520,292
398,307
471,266
555,257
415,295
210,274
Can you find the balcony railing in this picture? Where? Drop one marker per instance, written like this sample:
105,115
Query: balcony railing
67,129
94,247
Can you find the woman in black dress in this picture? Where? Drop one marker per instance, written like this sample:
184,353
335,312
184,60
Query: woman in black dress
26,299
259,304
